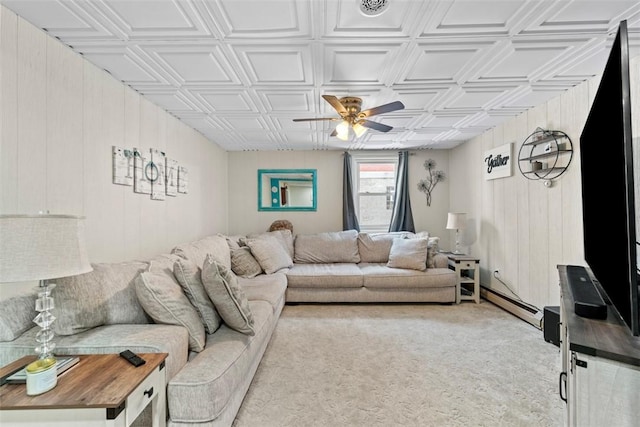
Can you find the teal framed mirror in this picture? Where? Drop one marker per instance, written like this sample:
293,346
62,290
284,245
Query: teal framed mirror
287,190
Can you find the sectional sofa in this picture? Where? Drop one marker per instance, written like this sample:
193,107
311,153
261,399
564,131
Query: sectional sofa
212,305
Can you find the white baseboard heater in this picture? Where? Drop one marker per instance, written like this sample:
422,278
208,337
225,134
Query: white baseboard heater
520,309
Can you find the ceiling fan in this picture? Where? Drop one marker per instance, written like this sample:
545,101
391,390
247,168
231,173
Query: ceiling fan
351,116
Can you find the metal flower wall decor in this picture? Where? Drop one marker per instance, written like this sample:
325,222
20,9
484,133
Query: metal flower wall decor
429,183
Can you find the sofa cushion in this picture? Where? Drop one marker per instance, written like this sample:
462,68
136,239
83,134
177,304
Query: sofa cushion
16,316
337,275
266,287
103,296
440,260
197,251
375,247
162,298
188,275
229,299
243,263
203,389
382,277
332,247
269,253
80,302
408,253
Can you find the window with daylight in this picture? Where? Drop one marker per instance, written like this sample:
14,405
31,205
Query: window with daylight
375,189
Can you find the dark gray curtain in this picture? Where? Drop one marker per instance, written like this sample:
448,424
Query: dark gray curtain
402,219
349,217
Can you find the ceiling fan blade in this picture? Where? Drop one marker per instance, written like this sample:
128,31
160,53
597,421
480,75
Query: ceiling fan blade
386,108
317,119
375,125
335,103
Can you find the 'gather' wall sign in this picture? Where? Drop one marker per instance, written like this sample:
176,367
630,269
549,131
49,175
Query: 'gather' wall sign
498,162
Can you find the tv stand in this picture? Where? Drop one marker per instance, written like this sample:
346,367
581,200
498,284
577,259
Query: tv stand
600,378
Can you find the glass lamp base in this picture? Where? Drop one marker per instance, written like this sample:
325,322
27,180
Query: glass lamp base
457,249
44,305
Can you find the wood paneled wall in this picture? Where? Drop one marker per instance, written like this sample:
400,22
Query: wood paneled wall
519,226
60,115
59,118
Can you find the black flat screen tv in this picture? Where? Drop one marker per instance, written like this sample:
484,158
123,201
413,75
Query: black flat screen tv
608,202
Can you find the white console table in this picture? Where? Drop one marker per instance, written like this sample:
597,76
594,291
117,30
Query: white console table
600,378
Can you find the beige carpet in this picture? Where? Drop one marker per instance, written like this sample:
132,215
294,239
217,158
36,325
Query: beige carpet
404,365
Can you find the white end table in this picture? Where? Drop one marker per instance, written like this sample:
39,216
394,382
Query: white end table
467,270
100,390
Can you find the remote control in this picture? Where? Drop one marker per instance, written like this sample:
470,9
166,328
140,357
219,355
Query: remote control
133,358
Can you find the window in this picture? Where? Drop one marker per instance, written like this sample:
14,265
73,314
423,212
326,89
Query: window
375,190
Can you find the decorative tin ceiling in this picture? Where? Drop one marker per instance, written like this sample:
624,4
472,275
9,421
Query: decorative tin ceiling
239,71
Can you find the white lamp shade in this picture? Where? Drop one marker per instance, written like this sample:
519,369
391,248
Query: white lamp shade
456,220
359,129
41,247
342,130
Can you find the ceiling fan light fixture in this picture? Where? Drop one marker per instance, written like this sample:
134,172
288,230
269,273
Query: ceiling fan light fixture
359,129
373,7
342,130
352,116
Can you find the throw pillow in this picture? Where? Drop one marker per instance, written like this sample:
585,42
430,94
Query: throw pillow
284,237
189,277
244,264
229,299
375,247
162,298
409,253
422,234
432,251
269,253
233,241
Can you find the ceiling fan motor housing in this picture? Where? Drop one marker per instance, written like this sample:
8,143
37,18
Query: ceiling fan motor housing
352,104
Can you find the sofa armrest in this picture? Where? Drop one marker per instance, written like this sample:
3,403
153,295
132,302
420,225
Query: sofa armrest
441,260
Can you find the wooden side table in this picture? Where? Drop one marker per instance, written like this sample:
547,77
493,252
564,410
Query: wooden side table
467,270
101,390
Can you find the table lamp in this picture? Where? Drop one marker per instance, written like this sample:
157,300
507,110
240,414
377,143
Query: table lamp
456,221
42,247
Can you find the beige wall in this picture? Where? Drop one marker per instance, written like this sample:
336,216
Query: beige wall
243,199
519,226
59,118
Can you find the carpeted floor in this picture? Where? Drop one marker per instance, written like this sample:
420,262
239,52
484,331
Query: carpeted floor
404,365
